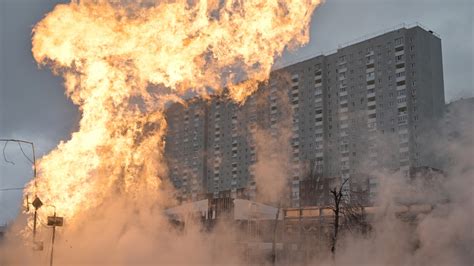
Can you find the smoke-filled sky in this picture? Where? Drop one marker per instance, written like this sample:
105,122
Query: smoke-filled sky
33,105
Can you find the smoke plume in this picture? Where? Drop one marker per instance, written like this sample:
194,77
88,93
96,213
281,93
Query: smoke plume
441,236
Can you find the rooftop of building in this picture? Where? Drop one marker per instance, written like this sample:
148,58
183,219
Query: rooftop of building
357,41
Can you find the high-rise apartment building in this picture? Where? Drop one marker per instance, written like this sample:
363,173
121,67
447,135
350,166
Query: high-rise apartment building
369,105
186,147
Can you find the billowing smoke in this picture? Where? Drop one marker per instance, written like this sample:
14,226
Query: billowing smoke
122,63
273,145
441,236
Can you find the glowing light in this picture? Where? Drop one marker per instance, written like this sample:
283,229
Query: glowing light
123,62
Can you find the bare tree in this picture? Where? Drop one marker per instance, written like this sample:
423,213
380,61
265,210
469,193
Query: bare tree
337,195
348,208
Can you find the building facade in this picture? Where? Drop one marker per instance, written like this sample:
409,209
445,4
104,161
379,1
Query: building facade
369,105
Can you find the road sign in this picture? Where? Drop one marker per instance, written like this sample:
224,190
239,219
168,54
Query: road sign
37,203
55,221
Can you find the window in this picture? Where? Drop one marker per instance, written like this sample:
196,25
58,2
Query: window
399,41
401,74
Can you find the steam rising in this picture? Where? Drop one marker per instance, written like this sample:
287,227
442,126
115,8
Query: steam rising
122,63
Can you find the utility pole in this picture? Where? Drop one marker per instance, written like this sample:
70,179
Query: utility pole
275,234
36,202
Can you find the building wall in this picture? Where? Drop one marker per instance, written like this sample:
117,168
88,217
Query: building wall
368,105
186,148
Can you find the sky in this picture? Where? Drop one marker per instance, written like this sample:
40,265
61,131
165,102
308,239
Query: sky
33,106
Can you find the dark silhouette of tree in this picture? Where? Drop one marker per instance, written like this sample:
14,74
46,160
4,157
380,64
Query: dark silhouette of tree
349,215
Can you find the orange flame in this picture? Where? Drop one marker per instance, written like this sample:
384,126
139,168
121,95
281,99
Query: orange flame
123,62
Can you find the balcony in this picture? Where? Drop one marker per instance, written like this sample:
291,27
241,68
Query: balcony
399,70
403,131
345,158
399,52
401,87
403,149
343,110
403,140
402,104
400,63
398,79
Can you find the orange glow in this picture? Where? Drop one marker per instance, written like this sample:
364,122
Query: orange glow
122,63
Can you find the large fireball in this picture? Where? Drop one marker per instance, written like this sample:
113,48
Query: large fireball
123,62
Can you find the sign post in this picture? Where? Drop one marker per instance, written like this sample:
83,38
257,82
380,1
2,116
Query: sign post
54,221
